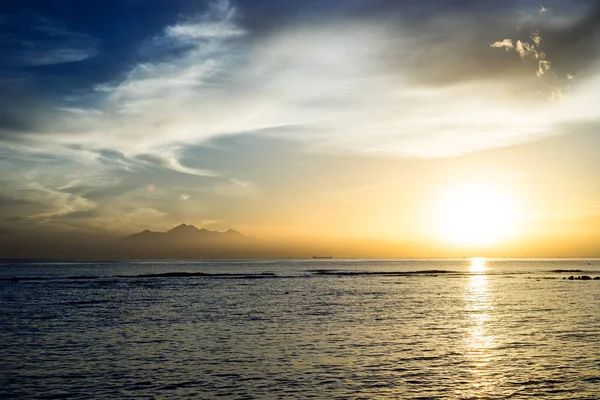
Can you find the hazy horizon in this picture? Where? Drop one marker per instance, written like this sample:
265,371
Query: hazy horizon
77,246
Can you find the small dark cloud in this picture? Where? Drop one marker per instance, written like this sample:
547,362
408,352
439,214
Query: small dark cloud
20,110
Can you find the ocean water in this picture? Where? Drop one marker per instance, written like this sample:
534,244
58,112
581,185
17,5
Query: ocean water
347,329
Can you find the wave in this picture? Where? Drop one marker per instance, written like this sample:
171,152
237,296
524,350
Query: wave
200,274
296,274
21,278
381,273
566,270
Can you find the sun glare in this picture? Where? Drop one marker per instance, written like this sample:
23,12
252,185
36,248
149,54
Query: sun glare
478,264
477,215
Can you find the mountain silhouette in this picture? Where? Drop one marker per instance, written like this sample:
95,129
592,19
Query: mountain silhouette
184,232
183,241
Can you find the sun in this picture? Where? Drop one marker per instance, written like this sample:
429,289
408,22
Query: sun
477,215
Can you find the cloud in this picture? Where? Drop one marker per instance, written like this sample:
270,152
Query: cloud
172,163
205,52
184,197
579,30
48,54
506,43
354,85
21,110
32,201
237,188
168,158
361,85
522,48
543,67
217,23
43,41
525,49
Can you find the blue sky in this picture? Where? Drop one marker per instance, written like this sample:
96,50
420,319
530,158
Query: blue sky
122,115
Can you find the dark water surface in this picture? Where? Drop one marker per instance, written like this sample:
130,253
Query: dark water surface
427,329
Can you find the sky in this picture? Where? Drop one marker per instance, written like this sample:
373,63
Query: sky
448,127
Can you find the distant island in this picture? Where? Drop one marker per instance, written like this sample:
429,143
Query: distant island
183,241
183,232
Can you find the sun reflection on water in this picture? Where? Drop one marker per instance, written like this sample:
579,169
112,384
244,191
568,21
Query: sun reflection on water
479,341
478,264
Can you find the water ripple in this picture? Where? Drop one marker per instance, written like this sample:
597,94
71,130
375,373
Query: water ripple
263,330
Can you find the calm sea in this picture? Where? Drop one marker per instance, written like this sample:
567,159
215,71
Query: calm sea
411,329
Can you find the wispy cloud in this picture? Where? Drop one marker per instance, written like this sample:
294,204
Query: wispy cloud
171,82
217,23
333,81
506,44
525,49
47,54
236,188
168,158
45,41
172,163
36,201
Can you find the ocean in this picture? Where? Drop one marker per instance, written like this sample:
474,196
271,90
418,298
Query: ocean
323,328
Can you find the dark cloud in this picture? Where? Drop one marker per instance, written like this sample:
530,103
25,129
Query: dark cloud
20,110
111,192
447,50
575,48
456,46
449,39
79,215
17,207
